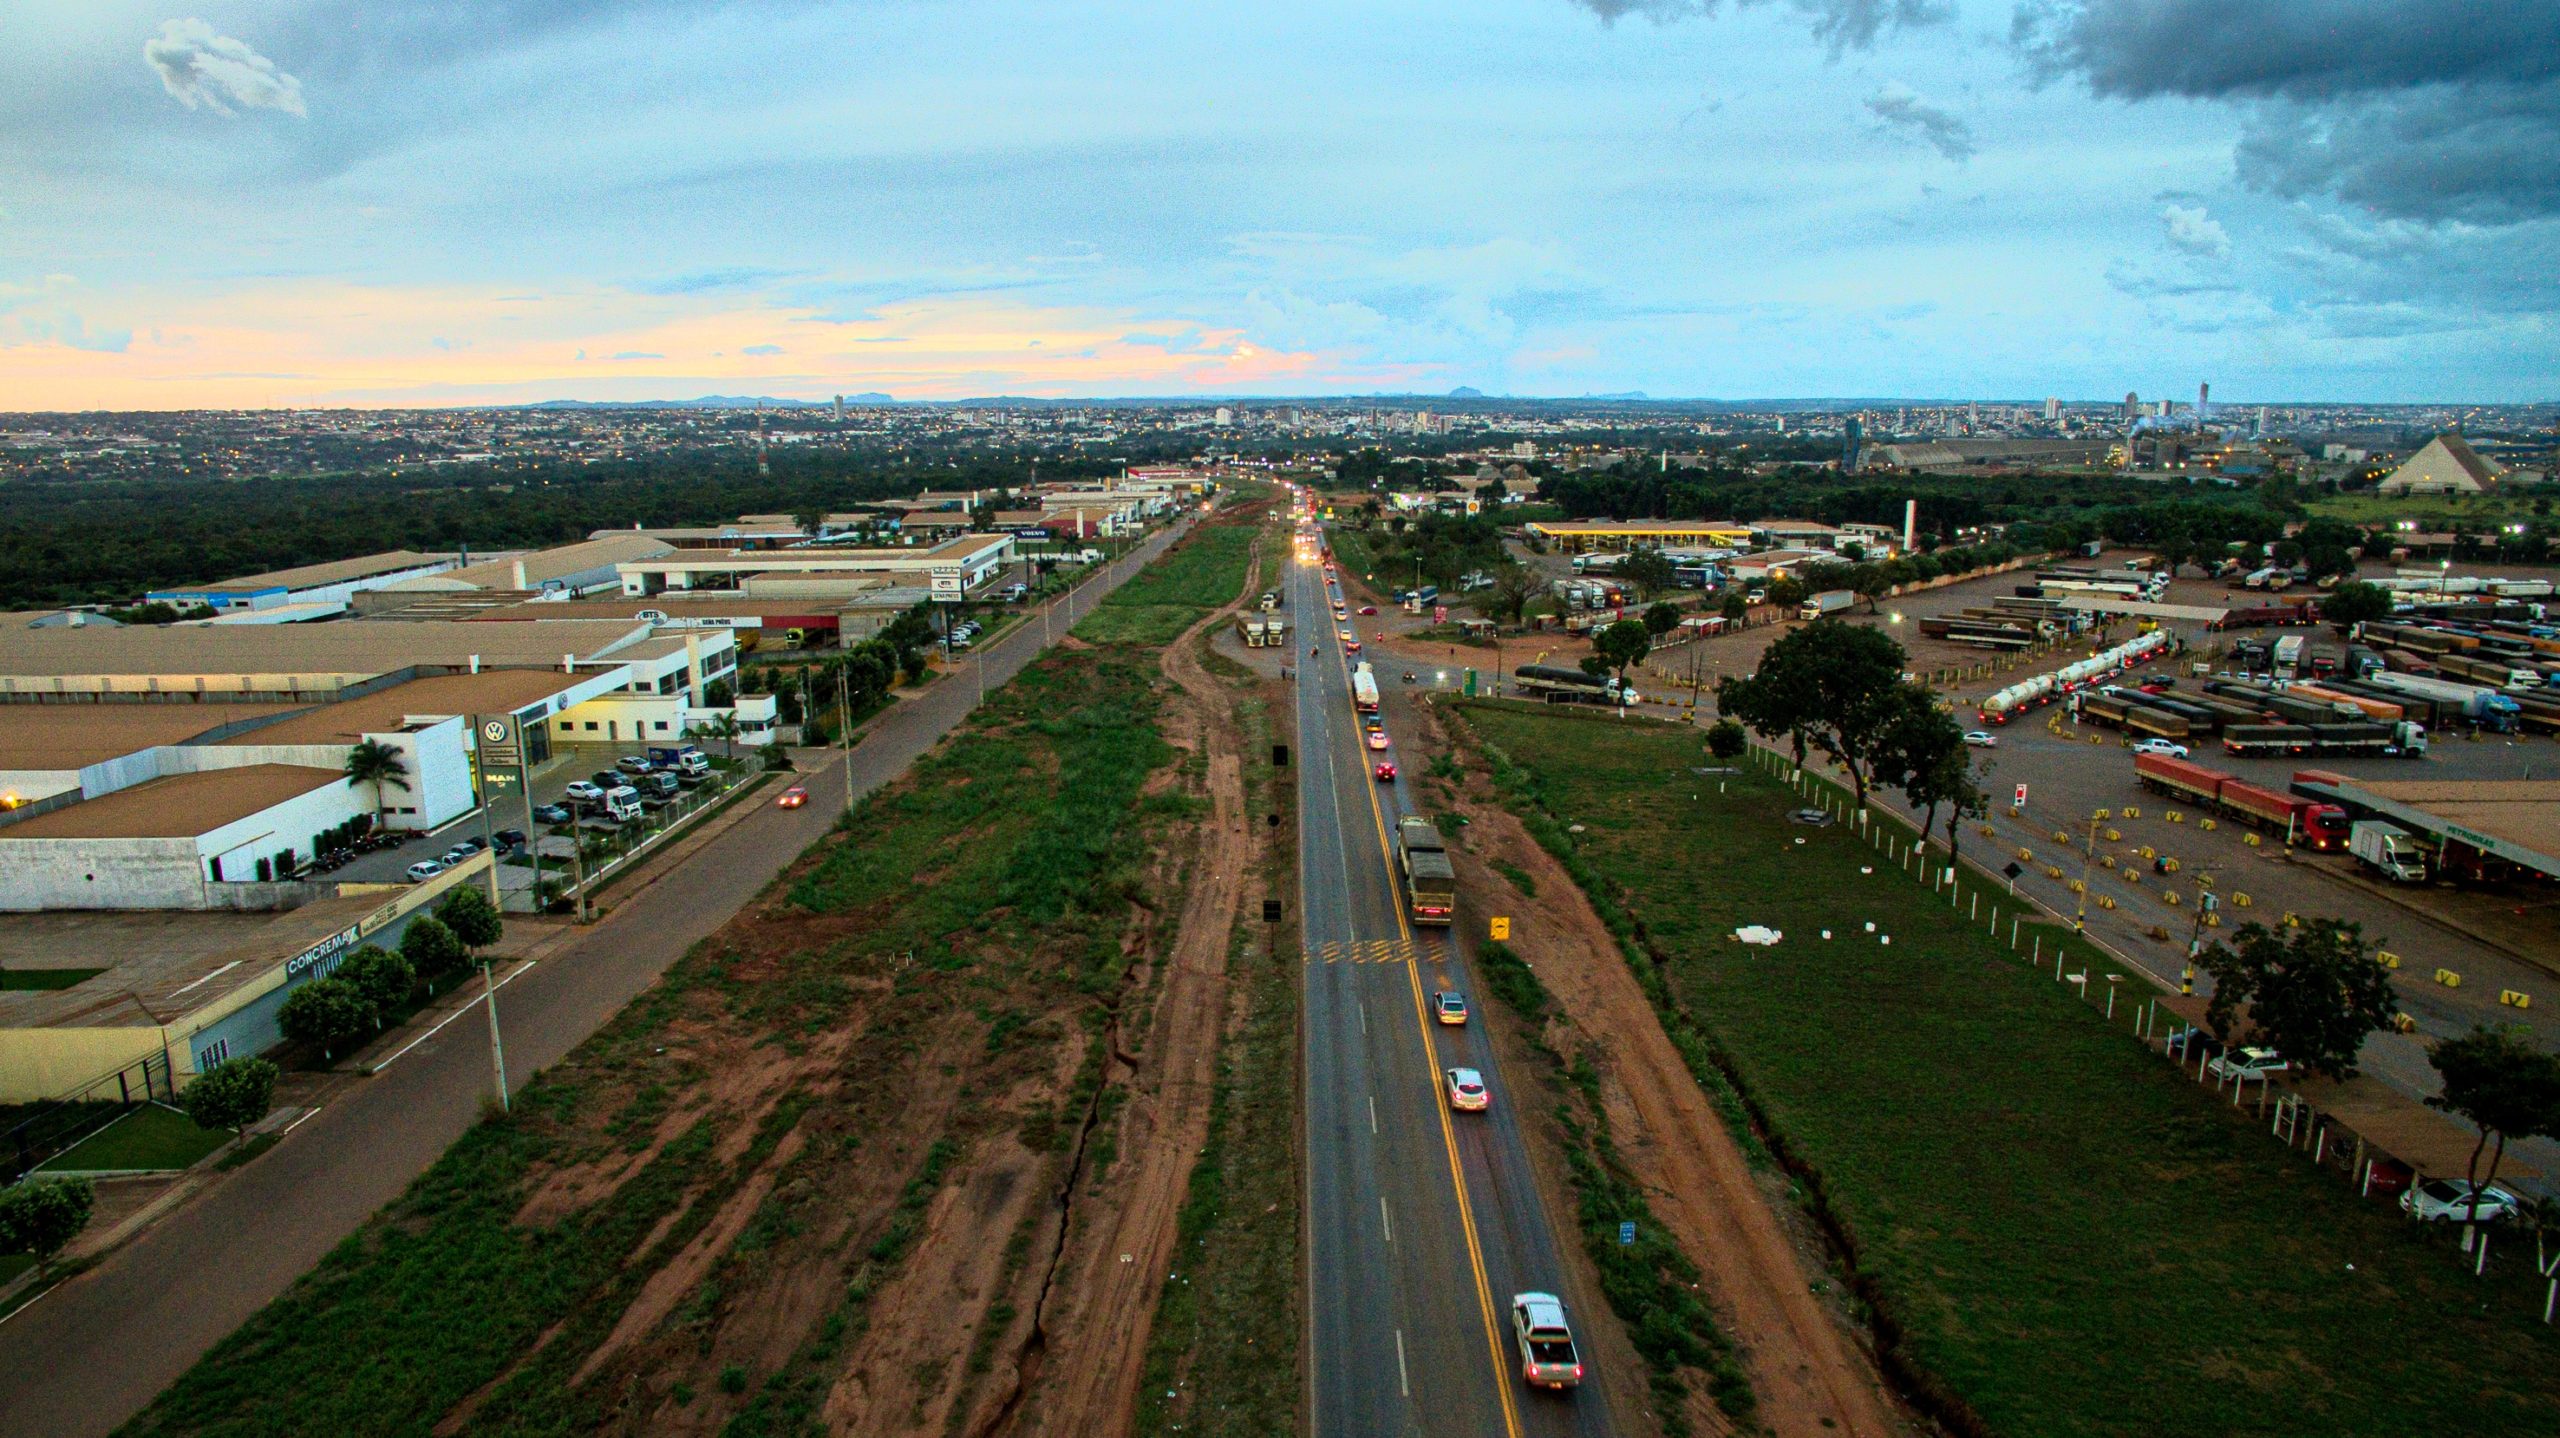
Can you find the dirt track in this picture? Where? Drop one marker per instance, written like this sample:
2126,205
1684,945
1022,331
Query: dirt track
1812,1377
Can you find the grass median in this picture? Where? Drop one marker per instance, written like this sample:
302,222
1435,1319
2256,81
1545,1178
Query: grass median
2055,1232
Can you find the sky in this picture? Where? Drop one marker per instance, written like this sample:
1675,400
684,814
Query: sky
320,202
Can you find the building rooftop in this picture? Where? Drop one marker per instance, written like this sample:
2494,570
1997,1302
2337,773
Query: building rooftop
2522,812
75,736
541,565
678,605
385,711
160,964
180,806
312,576
357,648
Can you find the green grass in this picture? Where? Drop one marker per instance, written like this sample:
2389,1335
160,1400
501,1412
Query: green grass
150,1137
250,1147
1205,571
13,1264
2054,1232
23,979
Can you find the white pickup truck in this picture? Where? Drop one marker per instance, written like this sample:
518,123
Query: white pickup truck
1547,1355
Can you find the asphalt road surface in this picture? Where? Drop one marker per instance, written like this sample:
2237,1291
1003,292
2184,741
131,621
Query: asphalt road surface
1421,1222
87,1356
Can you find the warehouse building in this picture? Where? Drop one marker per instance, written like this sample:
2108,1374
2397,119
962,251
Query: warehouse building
320,584
1606,535
564,571
956,567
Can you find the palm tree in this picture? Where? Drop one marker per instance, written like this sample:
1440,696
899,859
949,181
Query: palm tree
378,764
725,729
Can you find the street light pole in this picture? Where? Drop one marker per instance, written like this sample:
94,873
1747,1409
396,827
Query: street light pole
497,1046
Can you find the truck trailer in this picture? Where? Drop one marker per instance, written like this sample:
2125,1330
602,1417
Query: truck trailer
1431,886
2299,820
1557,684
1364,689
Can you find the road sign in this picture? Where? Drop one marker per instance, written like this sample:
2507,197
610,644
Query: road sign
1626,1232
1271,911
1501,927
2021,800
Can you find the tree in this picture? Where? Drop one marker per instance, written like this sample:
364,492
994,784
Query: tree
383,977
1735,608
1621,645
329,1014
1870,581
1835,686
43,1217
432,947
1648,571
1726,740
1786,591
2356,602
2313,992
1507,598
1922,753
2506,1086
232,1094
378,764
723,727
1661,619
812,520
471,916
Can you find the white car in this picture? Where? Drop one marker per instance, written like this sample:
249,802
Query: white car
1467,1090
1982,739
2448,1200
1548,1358
583,791
2162,747
426,869
2248,1063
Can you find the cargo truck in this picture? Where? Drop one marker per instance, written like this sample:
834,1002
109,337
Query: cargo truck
2402,739
2484,707
1422,599
683,759
1558,685
2496,671
2388,850
1829,601
1364,690
1431,886
2288,656
2300,821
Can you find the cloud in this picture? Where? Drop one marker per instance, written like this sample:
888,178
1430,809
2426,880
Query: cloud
638,355
2193,232
695,282
207,70
762,350
1905,112
2431,110
1839,24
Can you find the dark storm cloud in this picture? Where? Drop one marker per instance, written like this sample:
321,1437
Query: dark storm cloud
2431,110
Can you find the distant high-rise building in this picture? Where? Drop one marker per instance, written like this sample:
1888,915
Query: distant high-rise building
2132,406
2052,409
839,409
1850,434
1225,415
2262,419
2204,398
2162,409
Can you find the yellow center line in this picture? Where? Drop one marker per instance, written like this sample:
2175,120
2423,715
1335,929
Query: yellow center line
1448,1135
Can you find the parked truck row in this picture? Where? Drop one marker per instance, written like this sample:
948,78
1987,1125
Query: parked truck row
2302,821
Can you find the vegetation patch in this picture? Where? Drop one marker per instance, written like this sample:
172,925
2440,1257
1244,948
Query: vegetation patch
2050,1227
150,1137
24,979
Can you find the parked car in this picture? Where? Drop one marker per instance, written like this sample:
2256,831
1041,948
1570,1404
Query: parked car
1467,1091
1368,609
1386,772
1548,1358
632,764
1815,817
2166,748
425,869
605,779
2248,1063
1982,739
552,813
510,839
457,854
1449,1007
472,842
2448,1200
583,791
793,797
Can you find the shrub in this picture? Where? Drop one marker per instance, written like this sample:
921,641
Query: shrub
40,1218
232,1094
383,977
432,947
327,1014
471,916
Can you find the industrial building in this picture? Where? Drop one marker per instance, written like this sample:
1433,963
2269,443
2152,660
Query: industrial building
2447,464
328,584
1592,535
957,567
2478,829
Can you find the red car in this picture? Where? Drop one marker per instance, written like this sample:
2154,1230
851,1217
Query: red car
792,798
1386,773
1351,644
1368,609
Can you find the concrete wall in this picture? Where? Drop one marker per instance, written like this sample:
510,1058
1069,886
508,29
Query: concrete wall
40,1064
99,874
289,825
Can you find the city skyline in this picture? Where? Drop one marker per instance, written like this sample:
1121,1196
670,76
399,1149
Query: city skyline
505,204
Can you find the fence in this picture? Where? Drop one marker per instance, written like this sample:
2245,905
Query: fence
40,1130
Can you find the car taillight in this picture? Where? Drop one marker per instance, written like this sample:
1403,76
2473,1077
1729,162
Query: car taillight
1577,1370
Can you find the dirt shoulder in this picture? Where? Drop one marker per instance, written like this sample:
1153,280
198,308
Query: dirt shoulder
1765,1279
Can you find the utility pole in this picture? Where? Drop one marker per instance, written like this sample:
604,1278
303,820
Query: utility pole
844,733
497,1046
2088,859
2206,903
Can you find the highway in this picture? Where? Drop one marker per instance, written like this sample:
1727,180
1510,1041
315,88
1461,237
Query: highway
1421,1222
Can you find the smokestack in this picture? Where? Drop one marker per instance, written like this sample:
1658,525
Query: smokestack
1910,524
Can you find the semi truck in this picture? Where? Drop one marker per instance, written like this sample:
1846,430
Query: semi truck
1422,599
1364,689
2388,850
2486,708
2341,739
2381,710
1431,886
2495,671
2288,656
2299,820
1558,685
